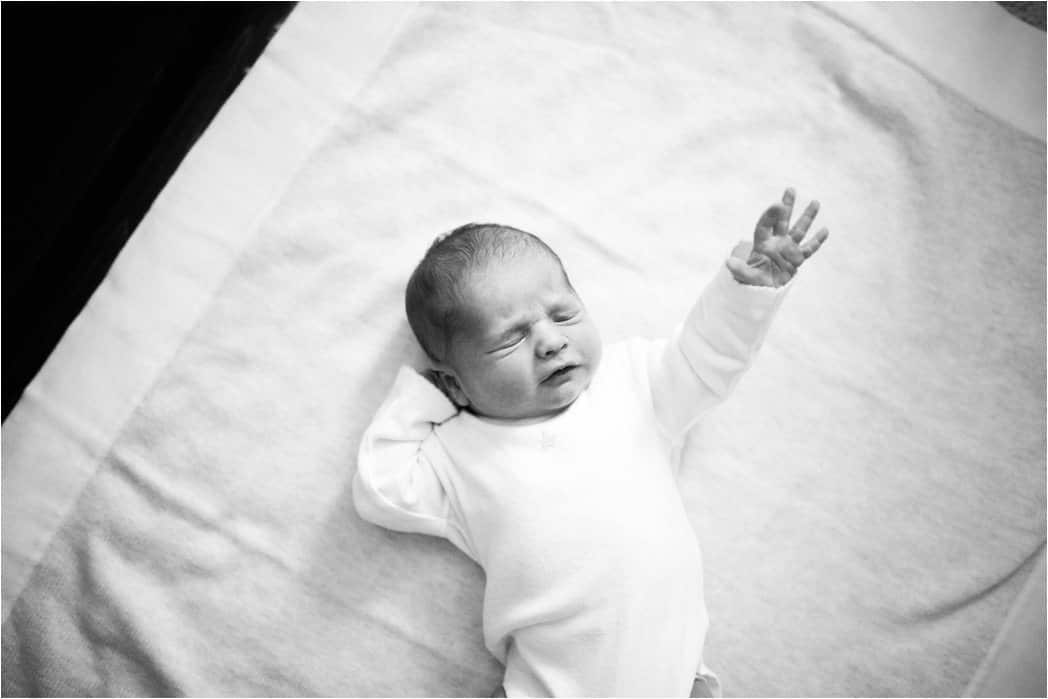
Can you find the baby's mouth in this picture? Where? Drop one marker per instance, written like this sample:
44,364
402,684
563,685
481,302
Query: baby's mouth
560,373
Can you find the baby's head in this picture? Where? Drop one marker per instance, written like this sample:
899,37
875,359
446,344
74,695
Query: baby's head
494,310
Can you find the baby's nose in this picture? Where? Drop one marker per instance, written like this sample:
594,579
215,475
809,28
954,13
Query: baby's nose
549,341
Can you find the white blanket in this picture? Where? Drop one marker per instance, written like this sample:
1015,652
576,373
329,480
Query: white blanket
176,502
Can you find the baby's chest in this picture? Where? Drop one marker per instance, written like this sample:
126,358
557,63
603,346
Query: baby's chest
577,508
575,481
605,453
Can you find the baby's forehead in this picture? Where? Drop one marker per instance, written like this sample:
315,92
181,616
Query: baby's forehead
532,273
509,288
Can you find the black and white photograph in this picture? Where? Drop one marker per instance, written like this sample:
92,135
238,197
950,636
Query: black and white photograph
539,349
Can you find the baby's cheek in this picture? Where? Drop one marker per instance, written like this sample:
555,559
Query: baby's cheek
594,347
512,382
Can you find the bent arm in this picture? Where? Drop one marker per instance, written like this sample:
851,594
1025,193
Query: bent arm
708,353
396,485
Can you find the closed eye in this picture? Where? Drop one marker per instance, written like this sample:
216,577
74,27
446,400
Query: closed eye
509,344
565,316
514,342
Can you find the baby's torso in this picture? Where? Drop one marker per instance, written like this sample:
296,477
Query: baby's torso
577,523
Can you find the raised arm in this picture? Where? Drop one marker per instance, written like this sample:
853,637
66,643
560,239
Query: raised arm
396,485
708,354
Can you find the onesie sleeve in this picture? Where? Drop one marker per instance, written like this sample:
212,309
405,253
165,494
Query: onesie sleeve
709,352
396,485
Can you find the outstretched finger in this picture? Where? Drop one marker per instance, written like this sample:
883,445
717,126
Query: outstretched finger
783,224
812,244
804,222
788,197
767,223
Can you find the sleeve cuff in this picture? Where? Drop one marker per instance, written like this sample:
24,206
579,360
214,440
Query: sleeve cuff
727,282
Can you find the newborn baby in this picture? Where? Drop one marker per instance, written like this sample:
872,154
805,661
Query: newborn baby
550,460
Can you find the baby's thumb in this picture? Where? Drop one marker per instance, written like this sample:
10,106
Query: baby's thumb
742,250
737,267
743,273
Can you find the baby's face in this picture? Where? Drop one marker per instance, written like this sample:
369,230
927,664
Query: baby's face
528,347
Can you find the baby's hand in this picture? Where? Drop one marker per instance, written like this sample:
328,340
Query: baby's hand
777,252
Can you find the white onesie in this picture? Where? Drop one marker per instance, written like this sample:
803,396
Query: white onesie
594,575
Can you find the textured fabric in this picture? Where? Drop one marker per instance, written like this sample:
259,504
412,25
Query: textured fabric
592,571
177,510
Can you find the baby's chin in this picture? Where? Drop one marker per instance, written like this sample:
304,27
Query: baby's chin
560,392
552,397
549,406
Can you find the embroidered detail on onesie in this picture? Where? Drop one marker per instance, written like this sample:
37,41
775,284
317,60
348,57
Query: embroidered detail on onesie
548,440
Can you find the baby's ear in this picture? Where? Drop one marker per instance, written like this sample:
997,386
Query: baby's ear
451,387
